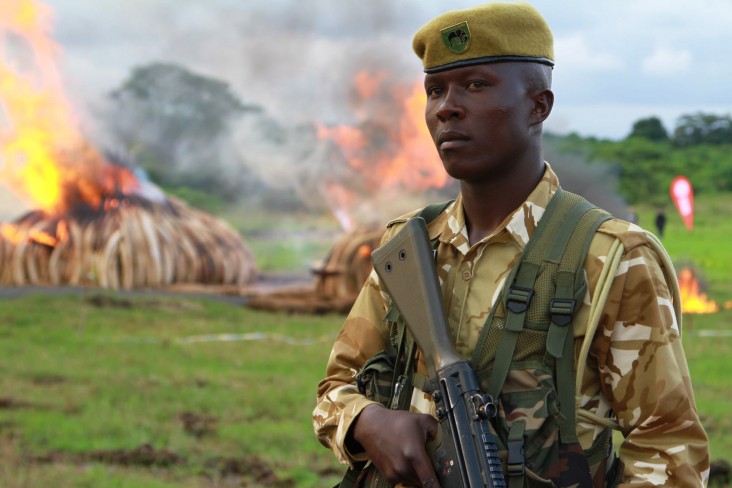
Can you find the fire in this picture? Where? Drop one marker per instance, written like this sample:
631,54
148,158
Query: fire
389,153
43,155
403,157
692,299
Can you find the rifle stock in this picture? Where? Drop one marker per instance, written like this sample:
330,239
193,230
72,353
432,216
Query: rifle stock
466,454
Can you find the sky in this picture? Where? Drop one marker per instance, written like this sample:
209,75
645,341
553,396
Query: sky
616,61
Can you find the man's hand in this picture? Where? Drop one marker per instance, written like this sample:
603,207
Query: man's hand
395,443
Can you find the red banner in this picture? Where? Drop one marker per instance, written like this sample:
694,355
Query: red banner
682,194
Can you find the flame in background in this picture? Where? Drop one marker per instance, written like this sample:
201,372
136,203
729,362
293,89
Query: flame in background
390,149
692,298
43,156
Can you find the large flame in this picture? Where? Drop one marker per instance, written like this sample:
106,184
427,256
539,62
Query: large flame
43,156
404,156
692,298
390,148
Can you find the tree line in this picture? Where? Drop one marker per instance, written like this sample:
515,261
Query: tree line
180,127
650,157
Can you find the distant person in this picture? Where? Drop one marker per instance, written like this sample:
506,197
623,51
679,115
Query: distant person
660,221
632,216
488,92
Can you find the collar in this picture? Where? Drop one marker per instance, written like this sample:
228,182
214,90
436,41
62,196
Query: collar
518,226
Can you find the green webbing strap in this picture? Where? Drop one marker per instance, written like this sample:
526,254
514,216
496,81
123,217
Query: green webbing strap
430,212
562,306
402,379
351,477
517,303
570,288
515,459
551,246
517,299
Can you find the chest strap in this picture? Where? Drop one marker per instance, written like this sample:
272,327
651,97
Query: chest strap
556,251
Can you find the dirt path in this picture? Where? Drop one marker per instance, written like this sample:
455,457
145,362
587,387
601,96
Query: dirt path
227,294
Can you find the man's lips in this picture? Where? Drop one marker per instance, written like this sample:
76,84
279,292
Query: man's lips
451,138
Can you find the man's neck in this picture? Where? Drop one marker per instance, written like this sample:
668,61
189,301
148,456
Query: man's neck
487,204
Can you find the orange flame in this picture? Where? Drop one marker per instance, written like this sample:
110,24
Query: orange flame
392,153
43,156
692,299
406,159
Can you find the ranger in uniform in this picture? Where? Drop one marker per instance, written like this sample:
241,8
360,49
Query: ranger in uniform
488,84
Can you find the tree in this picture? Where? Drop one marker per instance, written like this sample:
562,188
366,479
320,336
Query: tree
178,124
650,128
701,128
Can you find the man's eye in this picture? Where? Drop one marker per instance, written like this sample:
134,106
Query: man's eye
434,91
476,84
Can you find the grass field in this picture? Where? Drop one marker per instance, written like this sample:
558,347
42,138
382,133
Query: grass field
99,389
104,391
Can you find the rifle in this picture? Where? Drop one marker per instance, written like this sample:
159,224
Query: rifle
466,454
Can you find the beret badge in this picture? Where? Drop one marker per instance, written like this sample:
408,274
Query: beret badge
456,37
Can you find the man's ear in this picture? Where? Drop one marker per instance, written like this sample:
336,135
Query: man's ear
543,103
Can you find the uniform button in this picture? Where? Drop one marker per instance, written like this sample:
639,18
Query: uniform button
467,274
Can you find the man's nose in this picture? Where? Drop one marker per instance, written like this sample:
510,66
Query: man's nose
450,106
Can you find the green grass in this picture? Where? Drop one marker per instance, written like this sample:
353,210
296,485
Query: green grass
98,373
289,242
707,247
82,378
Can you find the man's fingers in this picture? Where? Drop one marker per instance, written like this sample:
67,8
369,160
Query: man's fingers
424,469
431,483
426,473
432,428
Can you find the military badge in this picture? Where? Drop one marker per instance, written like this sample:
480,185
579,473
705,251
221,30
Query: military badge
457,37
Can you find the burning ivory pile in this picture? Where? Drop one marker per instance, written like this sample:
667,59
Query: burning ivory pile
128,243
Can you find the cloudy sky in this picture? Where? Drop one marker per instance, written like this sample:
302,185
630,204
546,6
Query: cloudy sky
617,61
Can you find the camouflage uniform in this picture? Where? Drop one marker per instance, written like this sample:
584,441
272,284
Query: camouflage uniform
636,367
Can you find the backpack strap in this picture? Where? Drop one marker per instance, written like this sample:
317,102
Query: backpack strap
602,289
571,288
670,274
519,291
430,212
549,244
556,253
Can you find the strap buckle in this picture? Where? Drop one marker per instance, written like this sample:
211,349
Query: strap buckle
561,311
515,460
519,299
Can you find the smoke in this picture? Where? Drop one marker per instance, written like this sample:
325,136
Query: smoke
298,61
597,182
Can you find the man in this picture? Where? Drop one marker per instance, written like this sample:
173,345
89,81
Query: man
488,79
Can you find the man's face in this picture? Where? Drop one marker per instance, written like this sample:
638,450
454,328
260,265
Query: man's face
479,119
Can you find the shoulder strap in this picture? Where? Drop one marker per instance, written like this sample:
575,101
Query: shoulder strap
552,245
550,273
430,212
571,288
670,273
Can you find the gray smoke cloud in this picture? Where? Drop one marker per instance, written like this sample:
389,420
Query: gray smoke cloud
295,60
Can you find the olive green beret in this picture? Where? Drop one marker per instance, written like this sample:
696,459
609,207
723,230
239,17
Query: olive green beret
490,33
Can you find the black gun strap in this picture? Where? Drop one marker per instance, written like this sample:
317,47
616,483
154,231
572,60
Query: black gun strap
351,477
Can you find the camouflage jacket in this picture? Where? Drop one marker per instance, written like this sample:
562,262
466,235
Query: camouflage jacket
636,369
